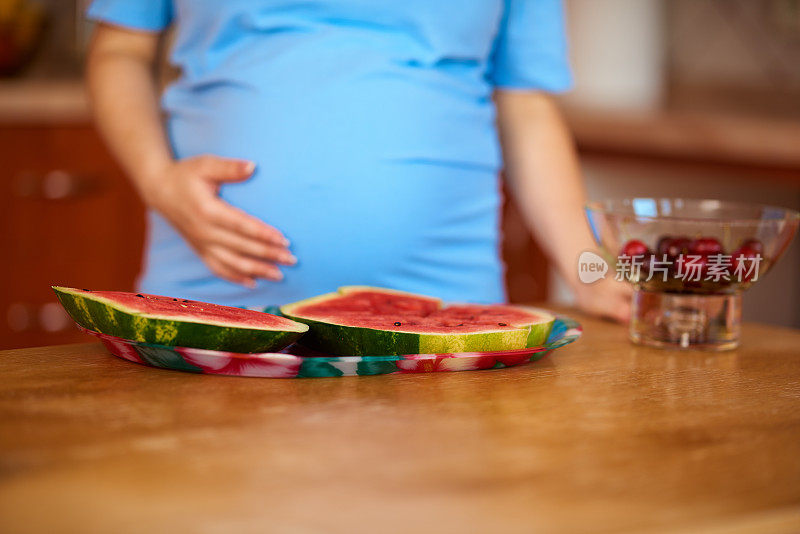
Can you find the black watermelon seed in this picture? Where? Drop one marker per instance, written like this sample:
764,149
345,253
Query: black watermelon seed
89,290
176,300
502,324
460,324
398,323
140,295
184,300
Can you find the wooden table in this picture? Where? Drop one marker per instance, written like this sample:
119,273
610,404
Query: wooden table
599,436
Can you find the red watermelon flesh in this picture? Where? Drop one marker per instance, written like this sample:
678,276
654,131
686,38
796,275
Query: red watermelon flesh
373,302
174,308
383,311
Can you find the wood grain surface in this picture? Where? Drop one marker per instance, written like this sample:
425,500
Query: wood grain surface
600,436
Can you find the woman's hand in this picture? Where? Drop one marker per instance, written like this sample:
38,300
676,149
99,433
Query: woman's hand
607,298
234,245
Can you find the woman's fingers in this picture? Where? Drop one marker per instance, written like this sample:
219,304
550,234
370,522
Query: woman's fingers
251,247
621,311
220,170
231,275
245,266
237,221
606,298
621,307
235,245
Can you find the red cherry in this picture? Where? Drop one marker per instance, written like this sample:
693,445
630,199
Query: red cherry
705,246
672,247
750,246
634,247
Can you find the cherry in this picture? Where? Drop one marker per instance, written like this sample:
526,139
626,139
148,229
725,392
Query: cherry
672,247
750,246
705,246
634,247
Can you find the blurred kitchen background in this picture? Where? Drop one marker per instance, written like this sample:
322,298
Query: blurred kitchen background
690,98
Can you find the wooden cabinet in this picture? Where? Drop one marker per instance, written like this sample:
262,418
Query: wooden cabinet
68,217
527,268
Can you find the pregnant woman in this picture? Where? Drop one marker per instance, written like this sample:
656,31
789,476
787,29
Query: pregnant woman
309,145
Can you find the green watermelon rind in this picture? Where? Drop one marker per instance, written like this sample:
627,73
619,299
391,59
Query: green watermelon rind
104,316
539,332
339,339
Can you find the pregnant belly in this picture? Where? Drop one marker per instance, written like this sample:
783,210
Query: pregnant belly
363,194
390,217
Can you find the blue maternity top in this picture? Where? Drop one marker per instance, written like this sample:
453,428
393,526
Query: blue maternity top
372,125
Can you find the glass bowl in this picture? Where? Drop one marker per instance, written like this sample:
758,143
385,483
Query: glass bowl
689,261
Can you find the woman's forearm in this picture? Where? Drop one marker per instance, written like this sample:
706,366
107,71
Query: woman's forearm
124,98
543,174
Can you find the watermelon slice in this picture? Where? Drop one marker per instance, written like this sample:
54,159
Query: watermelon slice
178,322
363,321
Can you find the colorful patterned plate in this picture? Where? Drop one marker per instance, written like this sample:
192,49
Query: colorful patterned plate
297,361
